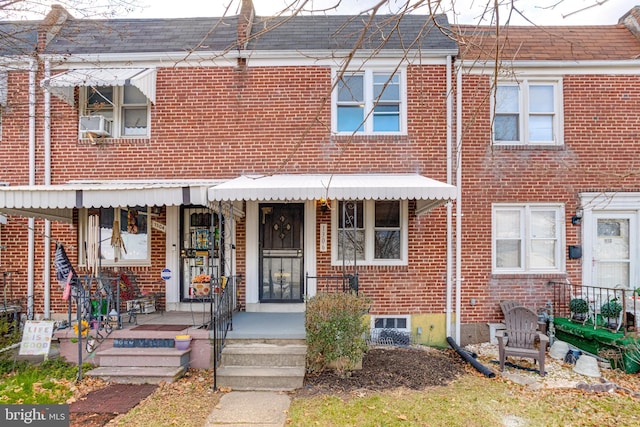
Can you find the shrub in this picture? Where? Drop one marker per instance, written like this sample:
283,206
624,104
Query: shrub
611,309
335,330
578,305
9,335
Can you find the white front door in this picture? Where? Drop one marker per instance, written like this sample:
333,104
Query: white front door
614,249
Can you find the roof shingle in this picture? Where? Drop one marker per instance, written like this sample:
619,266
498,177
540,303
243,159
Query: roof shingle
548,43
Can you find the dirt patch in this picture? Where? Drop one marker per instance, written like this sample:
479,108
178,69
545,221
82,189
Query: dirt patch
89,420
385,368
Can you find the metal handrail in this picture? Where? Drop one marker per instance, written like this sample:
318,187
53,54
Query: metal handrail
222,320
595,297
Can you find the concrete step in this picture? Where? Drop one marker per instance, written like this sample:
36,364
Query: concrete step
276,341
137,374
259,378
144,357
261,354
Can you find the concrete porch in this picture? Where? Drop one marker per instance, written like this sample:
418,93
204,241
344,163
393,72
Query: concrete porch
256,326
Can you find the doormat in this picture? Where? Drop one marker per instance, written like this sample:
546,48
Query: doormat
149,327
115,399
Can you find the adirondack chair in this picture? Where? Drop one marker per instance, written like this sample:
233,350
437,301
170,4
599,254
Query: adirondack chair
507,305
521,337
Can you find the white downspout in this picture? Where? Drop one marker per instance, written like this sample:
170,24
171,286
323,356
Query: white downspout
32,180
449,206
458,200
47,181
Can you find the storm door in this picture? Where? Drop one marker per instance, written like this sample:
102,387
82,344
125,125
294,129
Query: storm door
613,250
281,255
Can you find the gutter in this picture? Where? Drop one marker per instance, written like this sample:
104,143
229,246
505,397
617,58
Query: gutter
458,200
47,181
449,205
32,180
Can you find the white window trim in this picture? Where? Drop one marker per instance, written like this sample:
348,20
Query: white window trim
83,220
368,94
118,116
523,104
527,208
369,221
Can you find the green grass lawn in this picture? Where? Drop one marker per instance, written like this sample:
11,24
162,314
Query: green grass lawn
470,401
47,382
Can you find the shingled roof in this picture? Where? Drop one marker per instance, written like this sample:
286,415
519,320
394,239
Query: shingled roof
298,33
144,35
548,43
18,38
336,32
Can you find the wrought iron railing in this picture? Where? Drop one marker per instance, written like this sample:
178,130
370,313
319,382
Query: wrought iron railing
333,284
222,309
616,309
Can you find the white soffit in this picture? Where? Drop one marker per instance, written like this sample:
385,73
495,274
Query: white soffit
62,85
57,202
328,186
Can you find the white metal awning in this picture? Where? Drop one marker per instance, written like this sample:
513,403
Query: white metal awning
341,187
62,85
56,202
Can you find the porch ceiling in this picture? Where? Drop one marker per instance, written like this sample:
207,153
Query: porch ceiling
330,186
56,202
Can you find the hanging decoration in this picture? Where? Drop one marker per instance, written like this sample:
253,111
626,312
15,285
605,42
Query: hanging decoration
63,265
93,243
116,241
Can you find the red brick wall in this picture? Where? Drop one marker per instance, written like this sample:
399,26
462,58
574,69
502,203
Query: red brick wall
221,122
601,118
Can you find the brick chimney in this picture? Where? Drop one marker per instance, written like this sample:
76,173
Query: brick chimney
245,22
631,20
51,25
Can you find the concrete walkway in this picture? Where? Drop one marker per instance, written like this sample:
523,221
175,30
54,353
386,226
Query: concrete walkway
250,409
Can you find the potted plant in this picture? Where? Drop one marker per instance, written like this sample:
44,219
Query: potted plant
579,308
610,310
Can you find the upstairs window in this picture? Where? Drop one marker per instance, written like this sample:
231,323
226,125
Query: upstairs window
114,111
369,102
527,113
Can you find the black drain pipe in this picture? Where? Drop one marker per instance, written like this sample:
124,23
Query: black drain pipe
469,359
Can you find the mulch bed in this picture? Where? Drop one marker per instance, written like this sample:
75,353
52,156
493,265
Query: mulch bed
388,368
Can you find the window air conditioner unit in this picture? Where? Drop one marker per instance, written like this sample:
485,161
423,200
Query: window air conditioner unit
95,126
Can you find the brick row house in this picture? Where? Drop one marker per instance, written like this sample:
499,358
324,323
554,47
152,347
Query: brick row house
549,163
277,151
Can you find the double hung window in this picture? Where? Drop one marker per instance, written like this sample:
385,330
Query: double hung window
125,109
527,112
527,238
370,232
370,102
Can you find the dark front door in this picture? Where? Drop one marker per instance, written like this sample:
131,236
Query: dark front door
281,255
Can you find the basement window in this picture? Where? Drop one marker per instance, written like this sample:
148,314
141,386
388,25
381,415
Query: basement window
391,330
